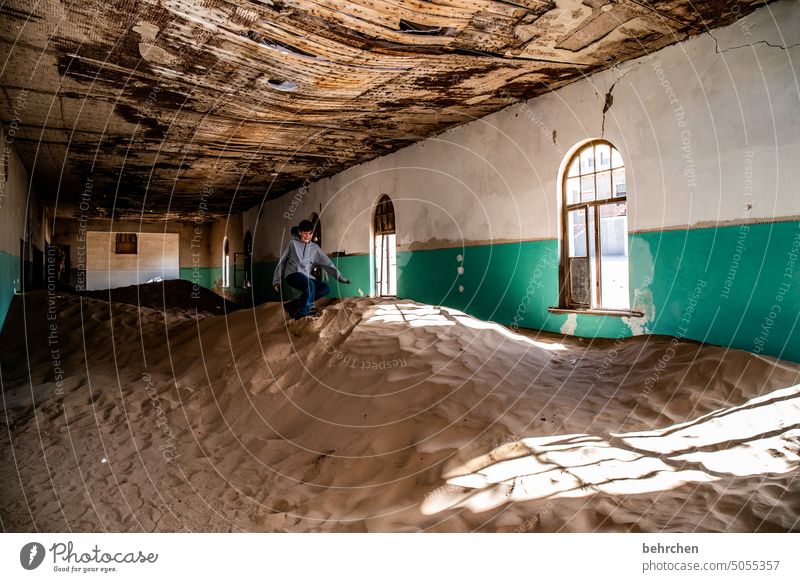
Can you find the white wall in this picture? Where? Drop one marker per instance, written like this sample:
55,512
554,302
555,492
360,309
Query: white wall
157,258
496,179
21,214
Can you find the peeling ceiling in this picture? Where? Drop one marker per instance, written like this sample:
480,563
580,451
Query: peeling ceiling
157,107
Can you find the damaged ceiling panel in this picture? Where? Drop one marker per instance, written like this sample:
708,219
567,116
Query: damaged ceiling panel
159,103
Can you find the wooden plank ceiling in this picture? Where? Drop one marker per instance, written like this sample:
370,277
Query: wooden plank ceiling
164,103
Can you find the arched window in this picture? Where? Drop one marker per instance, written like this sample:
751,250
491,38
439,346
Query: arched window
385,246
594,272
226,263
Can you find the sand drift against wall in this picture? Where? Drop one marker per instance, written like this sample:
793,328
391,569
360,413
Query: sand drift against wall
382,416
174,297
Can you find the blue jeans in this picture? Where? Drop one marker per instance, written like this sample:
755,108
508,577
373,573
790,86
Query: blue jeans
310,291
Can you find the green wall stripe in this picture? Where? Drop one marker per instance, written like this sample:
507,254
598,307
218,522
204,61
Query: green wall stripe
511,283
355,268
9,282
200,276
215,276
736,286
733,286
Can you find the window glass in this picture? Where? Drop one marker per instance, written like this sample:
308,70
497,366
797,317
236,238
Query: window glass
587,188
619,182
587,160
603,182
573,190
616,158
577,231
603,154
574,168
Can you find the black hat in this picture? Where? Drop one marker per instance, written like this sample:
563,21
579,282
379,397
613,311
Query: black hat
305,226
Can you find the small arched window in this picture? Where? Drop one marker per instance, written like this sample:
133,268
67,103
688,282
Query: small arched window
594,220
226,263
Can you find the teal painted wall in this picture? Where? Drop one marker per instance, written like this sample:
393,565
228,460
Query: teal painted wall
736,286
9,282
354,267
510,283
733,286
215,276
200,276
357,269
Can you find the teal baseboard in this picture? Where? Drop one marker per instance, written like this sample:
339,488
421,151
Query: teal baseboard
197,275
354,267
732,286
9,282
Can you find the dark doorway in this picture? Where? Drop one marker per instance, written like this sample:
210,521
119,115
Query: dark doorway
248,259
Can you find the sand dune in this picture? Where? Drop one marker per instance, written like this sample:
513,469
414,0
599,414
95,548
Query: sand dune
383,416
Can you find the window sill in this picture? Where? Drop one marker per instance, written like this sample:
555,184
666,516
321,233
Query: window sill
609,312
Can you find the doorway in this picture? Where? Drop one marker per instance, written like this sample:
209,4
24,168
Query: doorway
248,260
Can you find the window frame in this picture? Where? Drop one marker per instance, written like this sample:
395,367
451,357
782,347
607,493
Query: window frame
566,303
123,241
226,262
384,216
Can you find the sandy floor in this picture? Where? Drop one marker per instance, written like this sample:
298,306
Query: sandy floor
382,416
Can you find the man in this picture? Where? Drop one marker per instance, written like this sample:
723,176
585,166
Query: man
298,257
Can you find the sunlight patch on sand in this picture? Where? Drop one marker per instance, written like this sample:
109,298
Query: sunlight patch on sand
758,437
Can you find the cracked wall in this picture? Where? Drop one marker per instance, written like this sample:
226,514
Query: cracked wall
708,129
495,179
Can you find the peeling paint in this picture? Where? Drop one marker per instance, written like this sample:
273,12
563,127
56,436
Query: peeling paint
570,325
146,30
367,77
642,267
643,302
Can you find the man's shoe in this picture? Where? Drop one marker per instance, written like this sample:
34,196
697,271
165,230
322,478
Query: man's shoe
313,314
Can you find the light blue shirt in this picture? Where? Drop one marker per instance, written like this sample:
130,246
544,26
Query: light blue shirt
300,257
